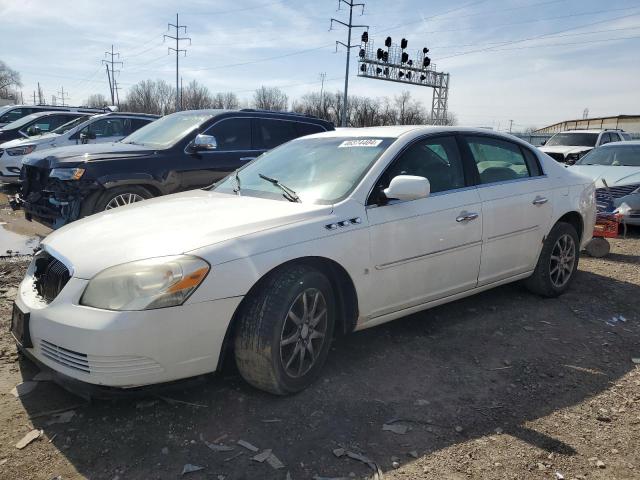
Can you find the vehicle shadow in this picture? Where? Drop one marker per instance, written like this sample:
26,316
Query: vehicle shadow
457,372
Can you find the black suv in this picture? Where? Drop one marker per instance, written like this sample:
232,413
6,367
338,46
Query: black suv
182,151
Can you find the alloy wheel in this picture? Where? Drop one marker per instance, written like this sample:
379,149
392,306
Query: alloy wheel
303,333
122,200
563,260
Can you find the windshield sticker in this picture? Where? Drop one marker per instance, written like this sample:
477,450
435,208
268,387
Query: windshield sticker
360,143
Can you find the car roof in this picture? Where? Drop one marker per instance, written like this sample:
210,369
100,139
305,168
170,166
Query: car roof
592,130
396,131
628,143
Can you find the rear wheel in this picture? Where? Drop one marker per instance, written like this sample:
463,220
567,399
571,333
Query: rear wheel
121,196
285,330
557,263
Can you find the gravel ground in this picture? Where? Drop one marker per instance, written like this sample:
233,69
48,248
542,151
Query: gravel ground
500,385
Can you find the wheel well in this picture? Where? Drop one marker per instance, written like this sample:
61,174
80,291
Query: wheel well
574,219
343,287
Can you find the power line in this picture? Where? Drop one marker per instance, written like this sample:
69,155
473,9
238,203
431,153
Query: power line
62,95
112,78
177,49
238,10
348,46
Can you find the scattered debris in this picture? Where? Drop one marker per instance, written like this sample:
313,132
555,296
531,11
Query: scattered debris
636,361
217,447
247,445
173,401
528,328
189,468
274,462
421,402
459,429
53,437
559,476
600,464
57,410
413,453
64,417
165,451
339,452
23,389
28,438
233,457
262,456
395,428
220,438
603,418
271,420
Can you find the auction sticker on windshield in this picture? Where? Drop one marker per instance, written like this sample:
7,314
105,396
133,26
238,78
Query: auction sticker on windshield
360,143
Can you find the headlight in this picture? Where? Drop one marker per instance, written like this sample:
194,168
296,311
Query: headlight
25,150
67,173
146,284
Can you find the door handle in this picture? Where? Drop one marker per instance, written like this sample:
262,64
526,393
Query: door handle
466,217
540,200
247,159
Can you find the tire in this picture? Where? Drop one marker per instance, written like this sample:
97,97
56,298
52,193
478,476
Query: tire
129,194
273,332
561,249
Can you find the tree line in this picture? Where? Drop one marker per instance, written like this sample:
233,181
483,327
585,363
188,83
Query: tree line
159,97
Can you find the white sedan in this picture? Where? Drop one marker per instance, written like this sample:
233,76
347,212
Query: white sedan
325,235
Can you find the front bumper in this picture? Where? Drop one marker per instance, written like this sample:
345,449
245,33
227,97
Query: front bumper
124,349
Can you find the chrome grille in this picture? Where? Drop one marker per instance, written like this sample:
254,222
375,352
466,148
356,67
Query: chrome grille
50,276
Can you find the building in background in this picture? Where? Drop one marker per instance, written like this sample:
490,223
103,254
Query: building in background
628,123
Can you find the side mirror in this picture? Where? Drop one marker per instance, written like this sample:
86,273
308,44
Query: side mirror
33,130
204,142
86,136
543,143
408,187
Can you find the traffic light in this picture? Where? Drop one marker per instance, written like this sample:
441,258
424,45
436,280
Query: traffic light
365,37
426,62
378,70
363,68
405,57
403,43
425,50
362,53
379,54
387,42
385,56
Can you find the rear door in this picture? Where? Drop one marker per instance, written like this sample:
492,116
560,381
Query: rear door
516,206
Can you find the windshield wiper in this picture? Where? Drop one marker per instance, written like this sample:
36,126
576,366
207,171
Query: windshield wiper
237,189
289,194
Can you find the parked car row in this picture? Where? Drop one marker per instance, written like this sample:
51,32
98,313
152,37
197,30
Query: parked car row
325,234
11,113
569,146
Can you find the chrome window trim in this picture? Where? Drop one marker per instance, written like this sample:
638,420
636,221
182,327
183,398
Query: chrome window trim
515,180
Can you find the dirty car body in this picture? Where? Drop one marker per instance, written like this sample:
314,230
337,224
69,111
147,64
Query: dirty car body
368,225
68,183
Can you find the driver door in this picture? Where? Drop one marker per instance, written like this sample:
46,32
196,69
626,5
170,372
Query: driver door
425,249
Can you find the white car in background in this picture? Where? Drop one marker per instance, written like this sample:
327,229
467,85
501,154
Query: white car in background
332,232
105,128
615,169
568,147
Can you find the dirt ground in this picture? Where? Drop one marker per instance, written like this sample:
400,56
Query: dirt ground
502,385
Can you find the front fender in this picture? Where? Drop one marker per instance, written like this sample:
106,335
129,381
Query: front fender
142,178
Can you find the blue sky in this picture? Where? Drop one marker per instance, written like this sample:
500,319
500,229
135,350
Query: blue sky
531,61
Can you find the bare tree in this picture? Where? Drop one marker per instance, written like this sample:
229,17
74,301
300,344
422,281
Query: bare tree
8,78
227,100
96,100
270,98
196,97
149,96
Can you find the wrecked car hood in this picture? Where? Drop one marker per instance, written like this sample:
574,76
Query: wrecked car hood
74,154
168,226
613,175
565,150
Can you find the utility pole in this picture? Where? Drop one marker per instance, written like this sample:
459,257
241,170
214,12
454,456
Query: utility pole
39,94
348,46
177,49
181,93
62,95
112,78
323,75
510,125
34,97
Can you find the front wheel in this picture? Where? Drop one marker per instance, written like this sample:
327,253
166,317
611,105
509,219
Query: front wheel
285,330
557,263
121,196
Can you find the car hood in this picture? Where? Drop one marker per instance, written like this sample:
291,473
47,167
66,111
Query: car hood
566,150
168,225
35,140
613,175
74,154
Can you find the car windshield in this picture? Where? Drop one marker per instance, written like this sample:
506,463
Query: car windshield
573,140
319,170
69,125
627,156
166,131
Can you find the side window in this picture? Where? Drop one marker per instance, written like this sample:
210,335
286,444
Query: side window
107,127
436,159
137,123
499,160
605,138
276,132
232,134
56,120
50,122
615,136
308,129
13,115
